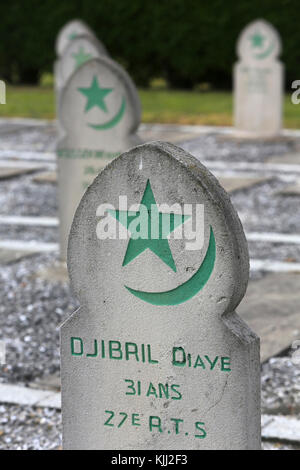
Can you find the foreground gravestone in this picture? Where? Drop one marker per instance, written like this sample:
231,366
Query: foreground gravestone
258,81
79,51
98,115
73,30
155,357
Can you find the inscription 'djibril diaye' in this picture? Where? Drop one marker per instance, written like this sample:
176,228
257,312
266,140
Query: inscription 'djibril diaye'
145,354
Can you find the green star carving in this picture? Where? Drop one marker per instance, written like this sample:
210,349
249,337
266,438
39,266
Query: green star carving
81,57
257,40
73,35
95,95
167,223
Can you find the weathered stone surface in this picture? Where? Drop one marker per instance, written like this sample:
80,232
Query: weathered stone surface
271,308
165,326
258,81
98,116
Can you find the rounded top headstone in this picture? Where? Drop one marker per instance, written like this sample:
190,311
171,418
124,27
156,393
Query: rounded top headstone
70,31
99,101
259,42
209,278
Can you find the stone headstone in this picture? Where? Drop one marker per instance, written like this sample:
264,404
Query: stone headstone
156,357
79,51
99,113
72,30
258,81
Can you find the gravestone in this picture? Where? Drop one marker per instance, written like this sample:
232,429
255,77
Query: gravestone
72,30
258,81
79,51
99,113
156,357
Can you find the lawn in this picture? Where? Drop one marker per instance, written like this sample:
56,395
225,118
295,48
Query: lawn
166,106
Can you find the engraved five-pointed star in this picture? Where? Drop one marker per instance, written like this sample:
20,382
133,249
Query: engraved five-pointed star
95,95
159,245
257,40
81,57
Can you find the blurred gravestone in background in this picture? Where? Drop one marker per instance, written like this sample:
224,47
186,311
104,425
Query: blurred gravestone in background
76,43
71,31
258,81
79,51
99,113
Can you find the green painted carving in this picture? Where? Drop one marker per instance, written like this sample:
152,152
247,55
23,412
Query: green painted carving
95,95
112,122
257,39
188,289
154,222
81,57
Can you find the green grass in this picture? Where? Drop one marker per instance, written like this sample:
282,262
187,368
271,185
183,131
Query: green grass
165,106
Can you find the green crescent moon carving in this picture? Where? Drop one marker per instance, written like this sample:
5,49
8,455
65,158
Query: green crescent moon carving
267,52
112,122
188,289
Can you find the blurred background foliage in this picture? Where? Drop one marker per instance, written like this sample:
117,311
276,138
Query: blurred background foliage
186,44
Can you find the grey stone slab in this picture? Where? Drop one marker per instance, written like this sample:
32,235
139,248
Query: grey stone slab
286,159
281,428
231,184
46,177
258,81
11,172
146,320
271,308
291,190
12,256
19,395
12,128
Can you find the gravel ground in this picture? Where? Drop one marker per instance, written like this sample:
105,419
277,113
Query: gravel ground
263,209
27,428
30,312
281,386
36,138
219,147
21,196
